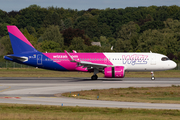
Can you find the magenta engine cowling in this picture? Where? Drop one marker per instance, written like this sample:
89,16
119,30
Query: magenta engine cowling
114,72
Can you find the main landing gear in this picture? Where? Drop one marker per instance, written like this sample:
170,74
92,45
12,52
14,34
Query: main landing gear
152,75
95,77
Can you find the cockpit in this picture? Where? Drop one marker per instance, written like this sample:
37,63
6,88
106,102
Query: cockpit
165,58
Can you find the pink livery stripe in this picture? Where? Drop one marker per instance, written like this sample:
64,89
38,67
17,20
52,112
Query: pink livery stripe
16,32
98,58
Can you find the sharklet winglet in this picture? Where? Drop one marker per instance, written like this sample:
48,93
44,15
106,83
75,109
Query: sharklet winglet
69,56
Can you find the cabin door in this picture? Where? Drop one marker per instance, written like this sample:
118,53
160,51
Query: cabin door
39,59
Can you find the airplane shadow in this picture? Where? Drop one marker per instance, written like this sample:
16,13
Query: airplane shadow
99,79
53,80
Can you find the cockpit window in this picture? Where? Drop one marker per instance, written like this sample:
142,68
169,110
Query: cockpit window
164,58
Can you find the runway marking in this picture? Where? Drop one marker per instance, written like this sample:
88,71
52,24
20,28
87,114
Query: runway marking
18,97
8,97
5,89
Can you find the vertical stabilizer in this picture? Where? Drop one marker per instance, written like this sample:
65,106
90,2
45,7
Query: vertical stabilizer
19,42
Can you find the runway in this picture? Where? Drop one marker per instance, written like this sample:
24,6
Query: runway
42,91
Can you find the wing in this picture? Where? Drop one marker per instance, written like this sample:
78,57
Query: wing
85,64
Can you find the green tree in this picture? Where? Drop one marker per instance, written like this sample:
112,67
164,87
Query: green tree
103,40
50,46
92,49
77,43
152,25
174,25
3,29
128,30
68,23
119,46
148,39
89,24
69,34
33,16
112,18
6,45
31,38
105,30
173,9
52,33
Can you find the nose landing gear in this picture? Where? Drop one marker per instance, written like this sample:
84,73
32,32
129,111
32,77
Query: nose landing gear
152,75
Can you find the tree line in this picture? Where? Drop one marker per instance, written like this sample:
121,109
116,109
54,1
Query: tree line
133,29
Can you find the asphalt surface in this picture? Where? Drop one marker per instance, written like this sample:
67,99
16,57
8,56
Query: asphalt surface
42,91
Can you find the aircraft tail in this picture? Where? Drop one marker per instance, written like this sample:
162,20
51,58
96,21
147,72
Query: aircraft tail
19,42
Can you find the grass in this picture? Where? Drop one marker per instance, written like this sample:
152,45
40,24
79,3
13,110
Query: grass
41,112
33,72
131,94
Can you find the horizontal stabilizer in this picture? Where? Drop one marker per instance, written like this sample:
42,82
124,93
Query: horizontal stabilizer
19,58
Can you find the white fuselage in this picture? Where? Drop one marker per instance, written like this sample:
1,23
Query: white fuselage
141,61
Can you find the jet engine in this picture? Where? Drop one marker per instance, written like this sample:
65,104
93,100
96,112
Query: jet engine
114,72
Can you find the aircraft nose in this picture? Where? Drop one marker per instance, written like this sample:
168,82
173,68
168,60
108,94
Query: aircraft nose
173,64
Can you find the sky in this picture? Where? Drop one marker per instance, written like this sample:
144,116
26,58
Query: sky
16,5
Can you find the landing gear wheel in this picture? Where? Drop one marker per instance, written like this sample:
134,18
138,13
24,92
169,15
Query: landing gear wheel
152,78
94,77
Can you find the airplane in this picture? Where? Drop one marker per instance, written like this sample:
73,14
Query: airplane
113,65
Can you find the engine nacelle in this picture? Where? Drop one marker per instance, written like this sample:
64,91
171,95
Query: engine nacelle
114,72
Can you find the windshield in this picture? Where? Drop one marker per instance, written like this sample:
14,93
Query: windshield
164,58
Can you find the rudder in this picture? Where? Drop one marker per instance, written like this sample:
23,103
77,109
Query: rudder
19,42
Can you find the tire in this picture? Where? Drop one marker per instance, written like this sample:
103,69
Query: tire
94,77
152,78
